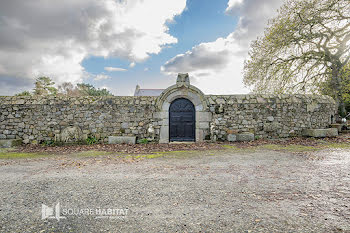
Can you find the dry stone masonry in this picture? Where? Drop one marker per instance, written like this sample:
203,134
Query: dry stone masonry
270,116
217,117
74,119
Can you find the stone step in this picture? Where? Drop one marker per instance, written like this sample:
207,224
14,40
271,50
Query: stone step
240,137
10,143
245,137
181,142
121,140
321,133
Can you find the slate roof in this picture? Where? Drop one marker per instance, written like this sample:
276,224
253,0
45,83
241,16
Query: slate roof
147,92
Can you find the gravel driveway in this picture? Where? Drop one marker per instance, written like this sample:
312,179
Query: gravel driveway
212,191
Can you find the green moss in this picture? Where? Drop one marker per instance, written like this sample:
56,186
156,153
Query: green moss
12,154
175,154
240,150
93,153
229,147
153,156
145,156
290,148
337,145
15,155
321,145
301,148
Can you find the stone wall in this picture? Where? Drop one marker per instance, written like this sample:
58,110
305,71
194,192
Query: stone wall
270,116
45,119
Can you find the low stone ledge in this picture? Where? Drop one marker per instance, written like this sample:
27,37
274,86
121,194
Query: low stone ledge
121,140
10,143
320,133
337,126
231,137
245,137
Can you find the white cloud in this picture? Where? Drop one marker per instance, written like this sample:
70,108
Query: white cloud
216,67
115,69
212,55
146,69
100,77
132,65
52,39
233,4
213,67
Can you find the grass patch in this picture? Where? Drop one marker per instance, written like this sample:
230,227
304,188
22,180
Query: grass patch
175,154
240,149
16,155
302,148
11,154
276,147
92,153
290,148
153,156
230,147
147,156
337,145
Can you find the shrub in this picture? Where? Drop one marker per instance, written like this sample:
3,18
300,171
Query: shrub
91,140
143,141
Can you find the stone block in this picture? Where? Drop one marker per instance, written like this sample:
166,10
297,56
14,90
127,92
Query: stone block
161,115
164,122
320,133
231,137
272,127
200,135
203,125
121,140
166,106
125,125
10,143
220,101
270,118
203,116
311,107
231,131
164,134
337,126
199,107
245,137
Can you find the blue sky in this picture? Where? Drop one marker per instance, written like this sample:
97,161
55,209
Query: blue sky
97,41
202,21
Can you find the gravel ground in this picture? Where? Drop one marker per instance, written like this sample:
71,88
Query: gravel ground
211,191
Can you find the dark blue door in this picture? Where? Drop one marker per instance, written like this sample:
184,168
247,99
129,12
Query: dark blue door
182,120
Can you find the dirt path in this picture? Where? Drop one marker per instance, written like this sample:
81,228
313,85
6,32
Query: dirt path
221,191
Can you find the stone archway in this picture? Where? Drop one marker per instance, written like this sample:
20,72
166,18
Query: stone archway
183,89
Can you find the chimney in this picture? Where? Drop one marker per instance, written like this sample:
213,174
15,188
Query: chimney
137,90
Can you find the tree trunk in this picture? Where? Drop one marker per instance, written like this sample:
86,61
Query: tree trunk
342,109
337,81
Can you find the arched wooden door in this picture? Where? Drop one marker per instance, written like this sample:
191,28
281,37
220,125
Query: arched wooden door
182,125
